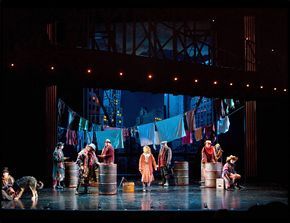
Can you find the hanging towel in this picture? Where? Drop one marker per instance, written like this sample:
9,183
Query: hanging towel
73,120
96,127
83,124
146,134
198,134
114,135
223,125
171,128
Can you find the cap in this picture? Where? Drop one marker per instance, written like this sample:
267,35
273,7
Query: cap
93,146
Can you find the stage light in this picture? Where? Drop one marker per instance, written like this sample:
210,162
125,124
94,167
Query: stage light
12,65
275,89
272,50
195,80
247,38
231,84
52,68
175,78
89,71
261,86
121,73
215,82
94,98
150,76
248,85
285,90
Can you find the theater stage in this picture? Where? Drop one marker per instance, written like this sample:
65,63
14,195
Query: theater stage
166,204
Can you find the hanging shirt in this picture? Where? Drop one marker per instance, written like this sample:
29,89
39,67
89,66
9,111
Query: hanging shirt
71,137
171,128
89,137
188,138
190,119
61,134
198,134
115,136
73,120
223,125
83,124
81,140
62,114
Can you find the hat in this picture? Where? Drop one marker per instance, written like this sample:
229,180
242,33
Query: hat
60,144
107,140
207,141
5,170
93,146
231,157
163,142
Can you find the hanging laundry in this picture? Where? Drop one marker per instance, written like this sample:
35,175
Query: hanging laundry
96,127
223,125
61,134
146,134
71,137
198,134
81,140
115,136
208,131
73,120
83,124
190,119
126,133
171,128
188,138
89,137
62,114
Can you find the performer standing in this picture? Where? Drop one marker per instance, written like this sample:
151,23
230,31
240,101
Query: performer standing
58,168
87,162
164,162
146,164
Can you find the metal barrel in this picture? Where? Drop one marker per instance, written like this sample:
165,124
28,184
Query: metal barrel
108,179
212,172
181,173
71,174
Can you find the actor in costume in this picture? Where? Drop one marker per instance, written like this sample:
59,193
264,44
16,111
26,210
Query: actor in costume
107,154
87,162
8,192
146,165
58,168
230,175
164,162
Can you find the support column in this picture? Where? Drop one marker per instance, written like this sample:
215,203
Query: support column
51,124
250,152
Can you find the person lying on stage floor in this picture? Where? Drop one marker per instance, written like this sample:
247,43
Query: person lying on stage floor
108,155
146,165
88,163
7,190
230,175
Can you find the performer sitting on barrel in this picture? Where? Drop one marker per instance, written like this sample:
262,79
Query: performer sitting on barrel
108,155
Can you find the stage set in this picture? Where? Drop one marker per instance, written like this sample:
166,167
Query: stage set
142,115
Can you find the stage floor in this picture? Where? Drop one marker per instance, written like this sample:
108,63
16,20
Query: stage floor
173,198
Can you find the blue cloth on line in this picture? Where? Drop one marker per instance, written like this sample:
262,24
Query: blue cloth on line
115,136
147,134
223,125
171,128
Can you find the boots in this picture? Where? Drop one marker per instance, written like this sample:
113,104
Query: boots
166,183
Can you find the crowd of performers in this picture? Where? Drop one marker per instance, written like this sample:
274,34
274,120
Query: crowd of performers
88,162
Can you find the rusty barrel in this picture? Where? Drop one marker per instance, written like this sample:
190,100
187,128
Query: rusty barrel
128,187
181,173
108,179
211,173
71,174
